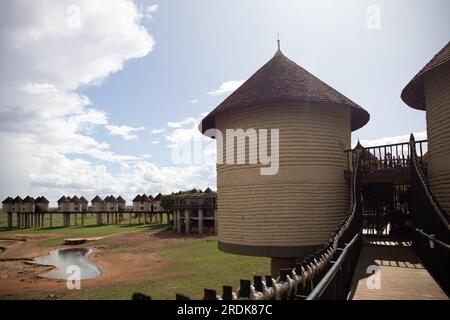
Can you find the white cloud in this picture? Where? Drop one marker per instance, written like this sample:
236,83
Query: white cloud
391,140
124,131
45,123
226,87
188,146
193,101
150,10
154,142
182,123
160,130
47,127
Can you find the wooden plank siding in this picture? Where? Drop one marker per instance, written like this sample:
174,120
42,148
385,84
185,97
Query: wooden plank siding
402,274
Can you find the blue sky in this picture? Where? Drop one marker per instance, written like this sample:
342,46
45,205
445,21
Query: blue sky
163,62
200,44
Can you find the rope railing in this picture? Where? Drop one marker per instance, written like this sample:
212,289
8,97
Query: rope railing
417,171
319,268
430,224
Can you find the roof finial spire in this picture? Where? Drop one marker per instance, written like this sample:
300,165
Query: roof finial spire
278,40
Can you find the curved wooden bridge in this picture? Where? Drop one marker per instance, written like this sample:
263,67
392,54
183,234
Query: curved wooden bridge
391,270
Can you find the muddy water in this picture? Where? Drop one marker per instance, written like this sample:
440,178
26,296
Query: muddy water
65,259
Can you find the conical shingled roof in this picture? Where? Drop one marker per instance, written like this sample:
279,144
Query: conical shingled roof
144,198
83,199
96,199
158,197
17,199
29,199
75,200
120,199
42,200
137,198
282,81
62,199
111,198
414,94
8,200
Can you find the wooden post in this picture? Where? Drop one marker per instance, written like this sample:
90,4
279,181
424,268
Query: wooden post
145,218
51,220
187,220
178,222
76,219
82,218
10,220
281,263
200,221
160,218
175,220
216,221
139,218
130,218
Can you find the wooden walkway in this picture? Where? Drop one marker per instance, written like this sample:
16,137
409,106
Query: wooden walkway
401,274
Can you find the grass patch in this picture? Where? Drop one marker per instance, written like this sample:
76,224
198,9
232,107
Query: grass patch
89,230
196,264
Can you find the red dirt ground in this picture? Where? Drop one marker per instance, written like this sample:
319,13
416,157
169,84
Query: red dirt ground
121,258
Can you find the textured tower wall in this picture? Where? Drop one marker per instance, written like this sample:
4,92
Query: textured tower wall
74,207
43,206
63,206
98,207
437,93
301,205
7,207
111,206
28,207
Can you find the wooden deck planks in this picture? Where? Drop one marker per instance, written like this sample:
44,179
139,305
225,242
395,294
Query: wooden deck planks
402,275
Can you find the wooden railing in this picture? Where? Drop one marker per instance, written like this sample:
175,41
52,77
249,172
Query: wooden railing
430,224
388,156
